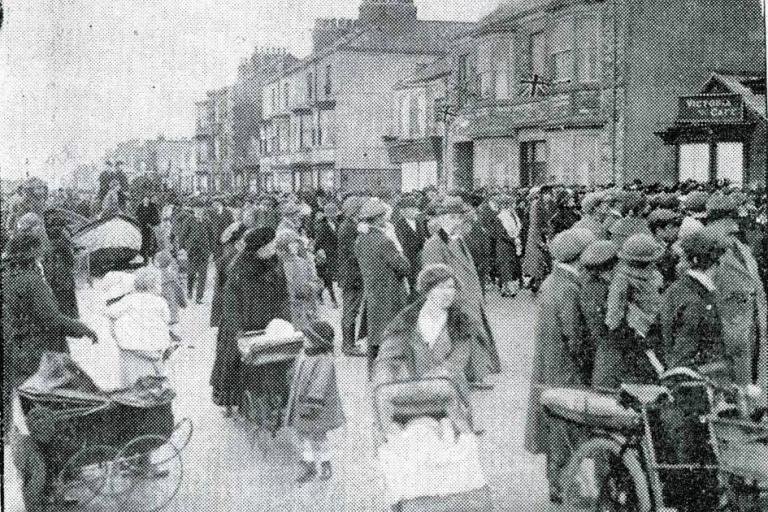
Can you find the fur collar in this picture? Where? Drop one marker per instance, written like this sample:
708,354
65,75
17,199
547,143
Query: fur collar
404,324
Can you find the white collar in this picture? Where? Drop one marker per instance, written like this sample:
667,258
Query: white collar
704,279
568,268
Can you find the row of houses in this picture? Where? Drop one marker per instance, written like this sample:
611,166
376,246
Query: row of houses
538,91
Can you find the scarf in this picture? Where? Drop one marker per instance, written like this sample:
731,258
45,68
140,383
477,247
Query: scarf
510,222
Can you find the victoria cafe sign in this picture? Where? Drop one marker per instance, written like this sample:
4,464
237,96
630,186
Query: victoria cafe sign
711,108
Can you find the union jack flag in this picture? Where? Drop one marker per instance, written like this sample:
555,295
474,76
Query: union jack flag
534,87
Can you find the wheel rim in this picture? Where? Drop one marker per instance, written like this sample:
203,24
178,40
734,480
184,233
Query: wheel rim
152,468
86,474
618,494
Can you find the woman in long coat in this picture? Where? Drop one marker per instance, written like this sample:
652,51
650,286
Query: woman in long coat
148,217
230,241
535,260
301,278
416,348
59,268
558,338
254,295
506,229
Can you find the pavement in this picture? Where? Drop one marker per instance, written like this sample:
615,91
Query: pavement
223,471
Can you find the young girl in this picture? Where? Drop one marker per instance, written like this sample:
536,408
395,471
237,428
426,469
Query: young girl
140,328
314,404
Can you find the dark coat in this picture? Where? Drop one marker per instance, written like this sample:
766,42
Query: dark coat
254,295
223,264
691,325
606,358
507,260
404,355
558,339
147,217
327,240
349,268
479,245
314,404
412,242
383,269
197,239
59,272
469,297
32,323
220,222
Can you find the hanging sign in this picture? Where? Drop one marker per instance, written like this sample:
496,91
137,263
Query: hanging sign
711,108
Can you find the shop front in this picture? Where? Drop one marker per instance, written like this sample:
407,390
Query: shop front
720,133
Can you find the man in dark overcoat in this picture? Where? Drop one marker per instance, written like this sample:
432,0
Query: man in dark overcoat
384,270
411,235
350,279
197,240
327,247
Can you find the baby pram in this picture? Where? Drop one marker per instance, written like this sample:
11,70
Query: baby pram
268,358
99,450
429,453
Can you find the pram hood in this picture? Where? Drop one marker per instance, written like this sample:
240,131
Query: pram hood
59,378
398,402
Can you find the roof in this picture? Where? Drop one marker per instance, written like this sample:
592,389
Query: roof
509,10
750,87
437,68
428,37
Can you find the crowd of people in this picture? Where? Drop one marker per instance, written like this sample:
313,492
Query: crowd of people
619,274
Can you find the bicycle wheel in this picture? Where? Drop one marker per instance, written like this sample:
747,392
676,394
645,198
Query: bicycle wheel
85,475
618,477
154,468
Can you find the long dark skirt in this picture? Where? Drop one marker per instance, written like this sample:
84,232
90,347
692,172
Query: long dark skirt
226,376
507,262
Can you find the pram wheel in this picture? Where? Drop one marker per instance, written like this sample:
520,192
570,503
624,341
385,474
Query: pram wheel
85,476
618,492
150,473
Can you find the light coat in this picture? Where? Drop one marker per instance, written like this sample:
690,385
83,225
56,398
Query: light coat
314,403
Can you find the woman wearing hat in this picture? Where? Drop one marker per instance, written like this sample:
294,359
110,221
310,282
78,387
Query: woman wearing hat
32,321
602,361
431,337
506,230
255,293
634,300
230,242
59,267
301,278
557,347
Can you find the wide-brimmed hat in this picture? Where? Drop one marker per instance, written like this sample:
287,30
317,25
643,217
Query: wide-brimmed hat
372,208
696,203
702,243
22,247
721,206
642,248
591,201
257,238
352,205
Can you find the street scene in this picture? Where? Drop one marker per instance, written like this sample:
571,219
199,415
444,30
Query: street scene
384,255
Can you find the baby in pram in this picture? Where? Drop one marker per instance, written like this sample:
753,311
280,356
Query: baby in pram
429,453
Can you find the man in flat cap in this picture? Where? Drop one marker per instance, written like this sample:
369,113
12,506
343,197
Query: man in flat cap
384,269
411,235
742,299
448,248
350,279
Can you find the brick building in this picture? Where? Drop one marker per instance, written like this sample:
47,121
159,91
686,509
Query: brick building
215,141
573,91
326,116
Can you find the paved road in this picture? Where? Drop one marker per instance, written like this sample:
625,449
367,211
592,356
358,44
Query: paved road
222,471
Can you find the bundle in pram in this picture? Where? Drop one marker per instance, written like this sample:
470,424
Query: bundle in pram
429,454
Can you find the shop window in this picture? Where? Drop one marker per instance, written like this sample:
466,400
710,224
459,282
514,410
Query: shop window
561,48
538,54
588,47
730,162
694,162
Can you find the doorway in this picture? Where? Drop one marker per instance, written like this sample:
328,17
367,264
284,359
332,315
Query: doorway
463,156
533,163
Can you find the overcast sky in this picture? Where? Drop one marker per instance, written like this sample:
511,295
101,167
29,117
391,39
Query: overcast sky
77,76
